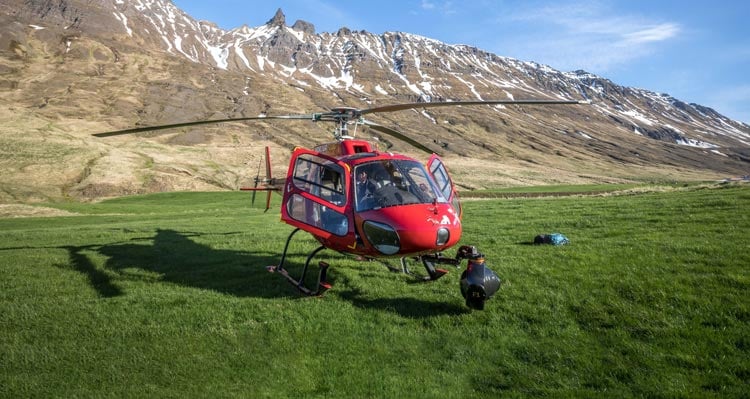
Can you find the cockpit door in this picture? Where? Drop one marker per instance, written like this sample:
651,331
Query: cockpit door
439,172
316,194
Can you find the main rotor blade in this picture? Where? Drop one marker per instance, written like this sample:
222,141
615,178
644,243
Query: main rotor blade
397,135
195,123
401,107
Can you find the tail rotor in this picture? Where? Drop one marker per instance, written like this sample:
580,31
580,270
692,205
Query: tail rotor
267,184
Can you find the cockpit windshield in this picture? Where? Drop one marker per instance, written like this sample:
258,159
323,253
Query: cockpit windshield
393,182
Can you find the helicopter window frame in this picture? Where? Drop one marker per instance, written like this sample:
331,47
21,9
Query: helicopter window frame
398,182
315,214
442,178
309,176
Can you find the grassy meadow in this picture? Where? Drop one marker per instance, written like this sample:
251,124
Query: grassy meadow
167,295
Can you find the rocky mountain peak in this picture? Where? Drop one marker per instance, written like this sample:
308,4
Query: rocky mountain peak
304,26
279,19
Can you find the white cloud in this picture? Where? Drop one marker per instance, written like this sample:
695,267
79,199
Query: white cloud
587,35
445,7
657,33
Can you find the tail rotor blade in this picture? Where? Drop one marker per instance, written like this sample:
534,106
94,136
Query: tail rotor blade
269,179
257,179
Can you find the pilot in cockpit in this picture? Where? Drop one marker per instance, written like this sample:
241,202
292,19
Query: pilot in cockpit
365,187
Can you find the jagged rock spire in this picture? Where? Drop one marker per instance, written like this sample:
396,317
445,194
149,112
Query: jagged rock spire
279,19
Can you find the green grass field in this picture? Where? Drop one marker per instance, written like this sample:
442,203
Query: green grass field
167,296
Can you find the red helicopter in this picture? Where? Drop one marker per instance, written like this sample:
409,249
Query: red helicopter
355,199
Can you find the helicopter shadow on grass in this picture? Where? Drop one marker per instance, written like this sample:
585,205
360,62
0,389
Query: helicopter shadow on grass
99,280
78,260
172,256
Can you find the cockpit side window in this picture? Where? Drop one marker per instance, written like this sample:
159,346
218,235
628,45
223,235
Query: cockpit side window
442,179
320,178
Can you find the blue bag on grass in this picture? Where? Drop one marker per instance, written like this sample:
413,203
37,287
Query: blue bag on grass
554,239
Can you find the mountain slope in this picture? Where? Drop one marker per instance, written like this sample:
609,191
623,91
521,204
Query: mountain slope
69,68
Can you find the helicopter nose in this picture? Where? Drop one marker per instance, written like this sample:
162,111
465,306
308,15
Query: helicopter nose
406,230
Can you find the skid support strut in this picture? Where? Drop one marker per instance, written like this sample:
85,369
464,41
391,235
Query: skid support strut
429,262
323,284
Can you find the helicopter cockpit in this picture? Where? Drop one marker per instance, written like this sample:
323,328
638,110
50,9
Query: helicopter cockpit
393,182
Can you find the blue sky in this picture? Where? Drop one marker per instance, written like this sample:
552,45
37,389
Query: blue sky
696,51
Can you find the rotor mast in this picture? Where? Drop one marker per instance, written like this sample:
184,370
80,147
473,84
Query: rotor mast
341,116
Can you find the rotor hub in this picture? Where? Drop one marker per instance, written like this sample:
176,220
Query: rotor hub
342,117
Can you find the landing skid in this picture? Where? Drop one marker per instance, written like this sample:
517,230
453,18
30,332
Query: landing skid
429,262
323,284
